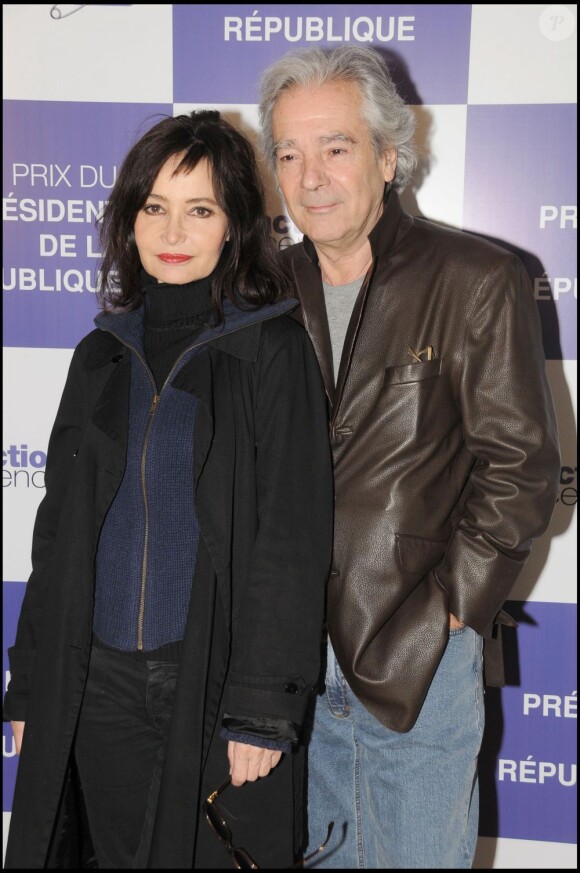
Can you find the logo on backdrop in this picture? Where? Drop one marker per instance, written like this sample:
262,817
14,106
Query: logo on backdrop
55,213
555,287
55,190
13,593
284,231
257,28
61,10
538,705
422,38
64,10
502,153
557,23
568,493
533,748
23,467
556,217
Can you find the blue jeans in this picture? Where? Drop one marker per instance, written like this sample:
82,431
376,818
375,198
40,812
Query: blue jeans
406,800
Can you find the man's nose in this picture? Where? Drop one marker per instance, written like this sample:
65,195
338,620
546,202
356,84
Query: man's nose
313,173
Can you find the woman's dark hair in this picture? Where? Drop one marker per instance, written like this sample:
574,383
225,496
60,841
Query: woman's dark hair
249,269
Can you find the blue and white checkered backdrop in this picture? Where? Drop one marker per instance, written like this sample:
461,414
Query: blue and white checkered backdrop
494,91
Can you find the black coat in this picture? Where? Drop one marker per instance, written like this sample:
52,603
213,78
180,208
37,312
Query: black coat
264,503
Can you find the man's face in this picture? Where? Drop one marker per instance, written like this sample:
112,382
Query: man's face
330,177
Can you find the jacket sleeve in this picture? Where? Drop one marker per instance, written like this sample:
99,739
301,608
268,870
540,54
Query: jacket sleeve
278,625
510,430
60,461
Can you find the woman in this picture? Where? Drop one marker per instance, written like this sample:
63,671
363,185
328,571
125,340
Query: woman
170,632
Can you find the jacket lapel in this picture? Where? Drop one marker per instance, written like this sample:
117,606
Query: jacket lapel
110,413
311,295
392,223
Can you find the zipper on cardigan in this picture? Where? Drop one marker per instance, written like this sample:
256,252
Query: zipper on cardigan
152,409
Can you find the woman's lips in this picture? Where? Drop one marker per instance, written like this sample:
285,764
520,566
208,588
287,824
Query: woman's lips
168,258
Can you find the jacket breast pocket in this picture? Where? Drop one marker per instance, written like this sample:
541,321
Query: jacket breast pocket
410,373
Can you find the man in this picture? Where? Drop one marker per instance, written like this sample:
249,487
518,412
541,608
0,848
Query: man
446,463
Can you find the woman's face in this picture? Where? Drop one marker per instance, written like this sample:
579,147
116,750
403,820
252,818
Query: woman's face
180,231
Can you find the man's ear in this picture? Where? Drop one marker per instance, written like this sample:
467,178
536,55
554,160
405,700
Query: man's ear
389,165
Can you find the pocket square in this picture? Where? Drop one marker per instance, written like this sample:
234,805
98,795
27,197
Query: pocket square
417,356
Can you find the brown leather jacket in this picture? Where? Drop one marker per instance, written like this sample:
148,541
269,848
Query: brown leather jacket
445,448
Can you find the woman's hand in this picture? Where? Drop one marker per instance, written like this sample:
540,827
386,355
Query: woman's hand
248,763
17,730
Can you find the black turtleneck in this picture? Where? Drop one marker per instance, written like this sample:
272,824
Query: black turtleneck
174,316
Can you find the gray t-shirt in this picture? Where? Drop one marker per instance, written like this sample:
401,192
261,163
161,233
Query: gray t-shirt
340,300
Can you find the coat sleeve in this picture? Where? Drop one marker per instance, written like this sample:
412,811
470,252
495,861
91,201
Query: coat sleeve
510,430
60,461
278,625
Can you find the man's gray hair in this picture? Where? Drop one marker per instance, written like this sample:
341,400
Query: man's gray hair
391,122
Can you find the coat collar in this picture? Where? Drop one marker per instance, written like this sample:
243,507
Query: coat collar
389,229
239,336
234,336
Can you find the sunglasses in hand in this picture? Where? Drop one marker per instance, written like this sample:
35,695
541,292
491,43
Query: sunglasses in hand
241,859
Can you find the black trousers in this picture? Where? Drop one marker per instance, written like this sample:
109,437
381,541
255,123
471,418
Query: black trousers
119,752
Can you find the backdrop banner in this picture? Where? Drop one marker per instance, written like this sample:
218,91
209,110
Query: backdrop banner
494,91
